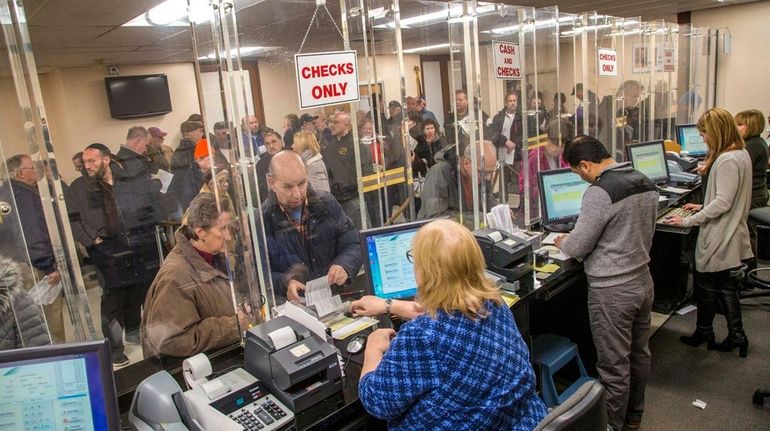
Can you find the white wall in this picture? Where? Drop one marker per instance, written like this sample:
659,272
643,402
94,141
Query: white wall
741,76
79,114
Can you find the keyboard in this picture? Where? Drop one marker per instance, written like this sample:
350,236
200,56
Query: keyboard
677,211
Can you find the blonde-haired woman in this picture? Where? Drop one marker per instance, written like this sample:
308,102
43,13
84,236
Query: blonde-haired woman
723,239
460,363
306,145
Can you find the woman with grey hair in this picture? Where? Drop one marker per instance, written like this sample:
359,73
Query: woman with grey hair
189,307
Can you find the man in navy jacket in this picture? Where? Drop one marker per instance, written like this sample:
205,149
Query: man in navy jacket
308,234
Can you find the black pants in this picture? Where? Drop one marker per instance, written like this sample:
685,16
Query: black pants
121,309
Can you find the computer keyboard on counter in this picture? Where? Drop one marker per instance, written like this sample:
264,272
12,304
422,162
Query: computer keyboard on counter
676,211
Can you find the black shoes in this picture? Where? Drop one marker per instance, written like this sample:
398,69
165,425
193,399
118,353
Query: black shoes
729,344
119,360
699,337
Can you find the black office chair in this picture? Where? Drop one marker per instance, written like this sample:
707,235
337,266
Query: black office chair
757,281
583,411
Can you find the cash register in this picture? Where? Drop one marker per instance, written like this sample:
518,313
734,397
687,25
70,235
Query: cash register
507,255
297,366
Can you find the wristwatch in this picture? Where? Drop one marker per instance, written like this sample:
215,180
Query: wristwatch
388,303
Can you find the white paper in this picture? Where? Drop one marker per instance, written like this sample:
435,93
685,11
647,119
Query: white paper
499,217
165,178
675,190
555,253
282,337
550,239
319,294
43,294
351,328
303,318
684,310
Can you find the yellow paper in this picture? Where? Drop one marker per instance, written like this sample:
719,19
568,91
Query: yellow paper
510,298
549,268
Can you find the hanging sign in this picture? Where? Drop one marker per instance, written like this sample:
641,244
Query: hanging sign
507,60
326,78
608,62
668,60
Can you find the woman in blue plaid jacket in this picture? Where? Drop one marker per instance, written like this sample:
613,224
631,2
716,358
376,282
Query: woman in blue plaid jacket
460,363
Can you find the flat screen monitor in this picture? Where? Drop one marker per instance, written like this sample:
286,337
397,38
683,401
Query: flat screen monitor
138,96
58,387
691,140
561,194
649,158
390,273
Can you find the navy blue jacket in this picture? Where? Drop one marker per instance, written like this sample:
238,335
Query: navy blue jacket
333,236
33,225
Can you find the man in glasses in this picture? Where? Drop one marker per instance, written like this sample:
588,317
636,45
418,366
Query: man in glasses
440,190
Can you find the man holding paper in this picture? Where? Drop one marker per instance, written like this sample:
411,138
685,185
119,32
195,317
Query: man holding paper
308,233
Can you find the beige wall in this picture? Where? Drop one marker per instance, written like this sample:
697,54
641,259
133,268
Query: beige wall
78,112
741,77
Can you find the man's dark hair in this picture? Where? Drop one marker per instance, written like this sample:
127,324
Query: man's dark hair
102,149
78,156
585,149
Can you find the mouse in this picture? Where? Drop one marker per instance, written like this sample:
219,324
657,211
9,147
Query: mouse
356,345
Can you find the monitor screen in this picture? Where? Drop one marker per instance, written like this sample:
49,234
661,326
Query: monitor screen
561,194
138,96
649,158
390,273
63,386
691,140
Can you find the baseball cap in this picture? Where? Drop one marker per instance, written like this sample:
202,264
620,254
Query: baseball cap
219,125
156,132
189,126
307,118
195,117
394,104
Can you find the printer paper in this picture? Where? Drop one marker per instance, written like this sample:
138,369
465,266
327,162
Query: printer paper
282,337
319,294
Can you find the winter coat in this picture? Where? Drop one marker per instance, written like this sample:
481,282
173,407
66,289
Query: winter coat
21,321
189,307
316,171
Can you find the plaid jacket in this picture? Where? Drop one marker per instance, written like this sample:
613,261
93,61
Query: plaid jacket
455,373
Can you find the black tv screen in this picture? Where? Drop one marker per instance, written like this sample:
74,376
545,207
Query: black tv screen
138,96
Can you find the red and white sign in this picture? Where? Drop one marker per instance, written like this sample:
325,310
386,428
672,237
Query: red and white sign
668,60
326,78
507,60
608,62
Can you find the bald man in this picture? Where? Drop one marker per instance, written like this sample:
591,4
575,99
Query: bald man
308,234
440,190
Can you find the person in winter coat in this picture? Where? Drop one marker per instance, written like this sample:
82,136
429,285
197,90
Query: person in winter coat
306,145
21,321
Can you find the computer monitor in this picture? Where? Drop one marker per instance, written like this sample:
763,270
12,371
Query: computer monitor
649,158
561,194
57,387
388,270
691,140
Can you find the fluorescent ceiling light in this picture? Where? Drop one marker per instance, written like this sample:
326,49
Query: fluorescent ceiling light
173,13
245,50
538,24
451,15
426,48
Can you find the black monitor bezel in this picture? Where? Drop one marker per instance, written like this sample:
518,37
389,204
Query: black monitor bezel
106,374
660,142
679,127
546,220
364,234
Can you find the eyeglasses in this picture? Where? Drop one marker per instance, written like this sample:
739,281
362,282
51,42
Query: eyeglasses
409,256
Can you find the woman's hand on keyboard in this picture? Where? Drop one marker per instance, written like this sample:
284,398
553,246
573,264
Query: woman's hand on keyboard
674,220
692,207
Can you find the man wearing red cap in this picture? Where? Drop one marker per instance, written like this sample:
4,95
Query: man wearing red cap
158,152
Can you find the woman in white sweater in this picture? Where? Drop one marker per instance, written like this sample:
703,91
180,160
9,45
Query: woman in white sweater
306,145
723,240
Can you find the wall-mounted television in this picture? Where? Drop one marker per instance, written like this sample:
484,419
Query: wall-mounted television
138,96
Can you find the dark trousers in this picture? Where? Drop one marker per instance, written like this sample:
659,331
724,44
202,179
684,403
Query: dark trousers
718,291
121,309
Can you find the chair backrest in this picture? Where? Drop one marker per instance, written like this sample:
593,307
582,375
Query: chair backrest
584,410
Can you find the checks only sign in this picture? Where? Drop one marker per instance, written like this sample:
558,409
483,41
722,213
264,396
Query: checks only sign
608,62
326,78
507,60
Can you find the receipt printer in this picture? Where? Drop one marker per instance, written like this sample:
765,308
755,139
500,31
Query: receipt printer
506,255
299,367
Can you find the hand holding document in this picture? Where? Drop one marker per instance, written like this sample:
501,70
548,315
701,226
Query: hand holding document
165,178
318,293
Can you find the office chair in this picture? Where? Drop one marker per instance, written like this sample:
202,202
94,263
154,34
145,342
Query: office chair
759,285
585,410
